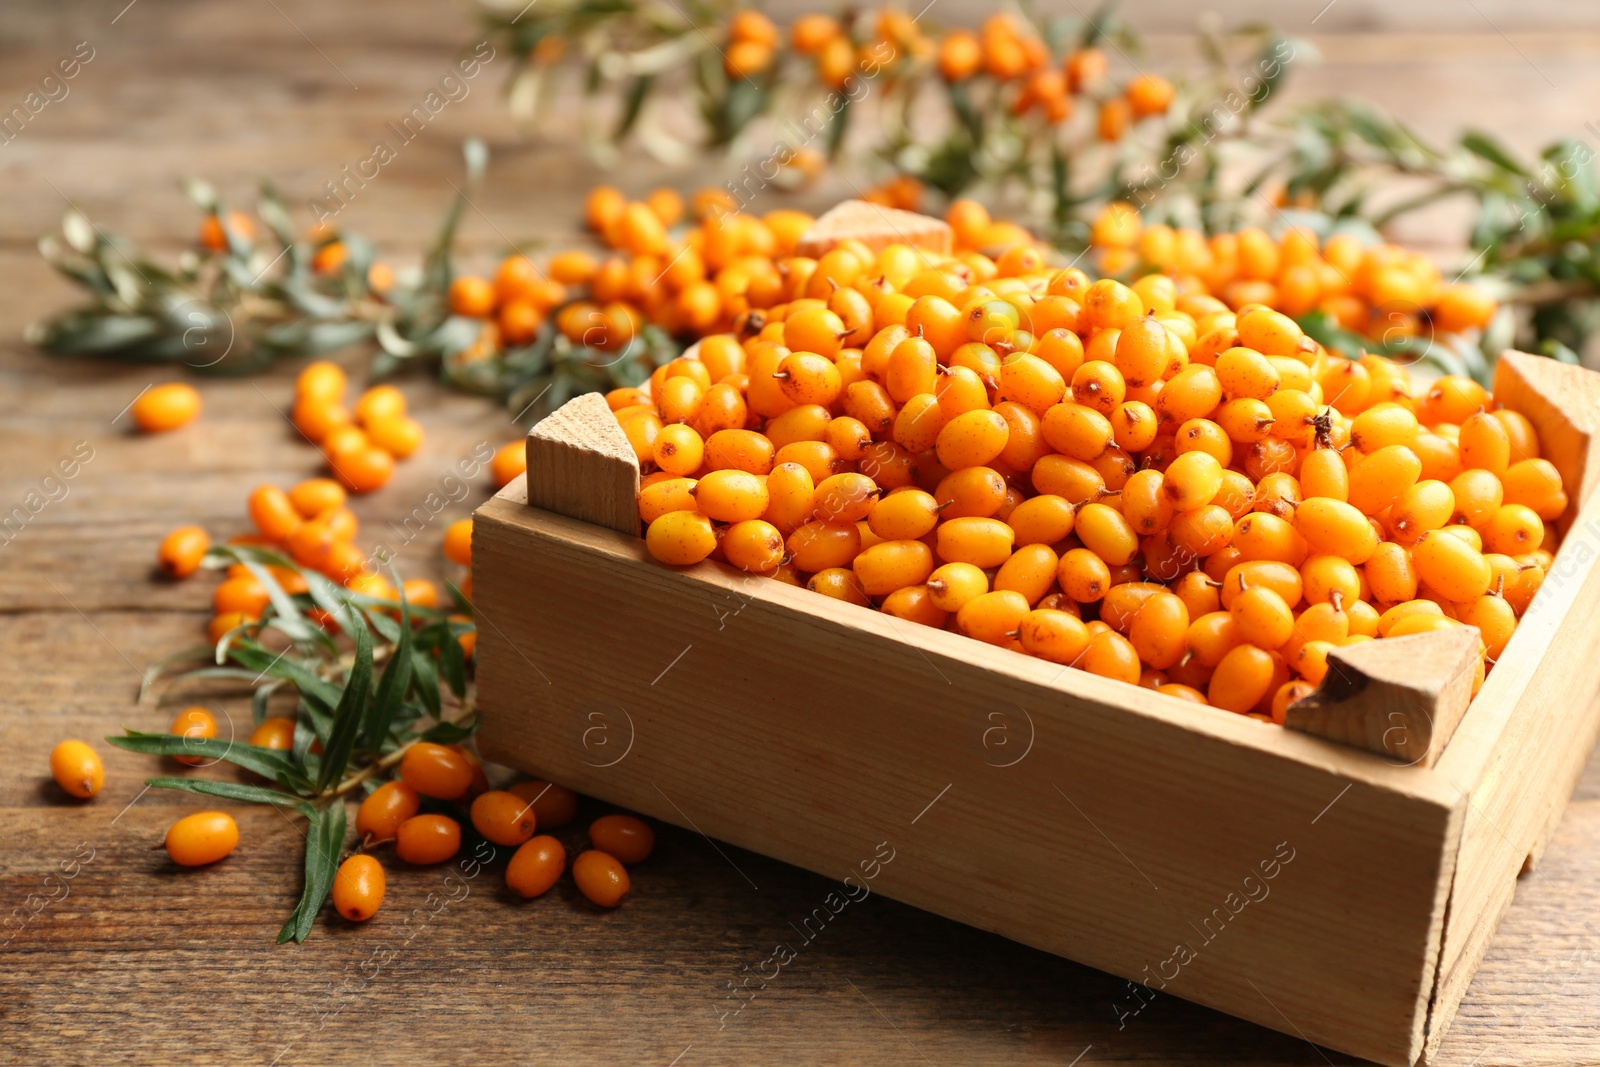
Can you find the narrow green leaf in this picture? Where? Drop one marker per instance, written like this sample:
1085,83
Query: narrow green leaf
250,794
349,715
313,688
396,679
197,654
267,762
1486,147
324,840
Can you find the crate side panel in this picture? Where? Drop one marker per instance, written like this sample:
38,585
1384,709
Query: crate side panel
1046,815
1517,756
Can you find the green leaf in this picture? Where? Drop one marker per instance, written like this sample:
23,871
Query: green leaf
267,762
396,679
250,794
324,840
1486,147
197,654
313,688
349,715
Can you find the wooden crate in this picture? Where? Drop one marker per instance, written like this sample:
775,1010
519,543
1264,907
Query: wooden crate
1307,885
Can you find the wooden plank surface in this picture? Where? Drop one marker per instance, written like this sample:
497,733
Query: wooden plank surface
143,964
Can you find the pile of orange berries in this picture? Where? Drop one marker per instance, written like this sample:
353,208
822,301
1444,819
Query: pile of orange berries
312,524
1384,292
518,818
1145,481
360,444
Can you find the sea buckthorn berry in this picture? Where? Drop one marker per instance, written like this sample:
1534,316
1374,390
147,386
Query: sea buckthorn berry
358,888
1335,528
77,769
601,878
1201,532
1104,531
458,542
839,583
1043,519
195,722
436,771
753,545
202,838
1281,578
817,546
1451,566
165,407
1262,618
971,491
1077,431
732,495
275,733
952,585
1110,655
1484,443
1053,635
739,449
398,435
321,380
1425,506
1244,372
979,541
973,439
504,818
1381,478
1478,494
272,513
1327,578
182,550
993,617
1071,479
1323,473
314,496
681,538
1192,480
1158,630
553,805
1383,425
678,450
1031,571
1512,530
904,515
625,838
1537,484
1193,393
1098,384
427,839
378,403
791,497
536,866
364,470
384,809
1242,678
842,497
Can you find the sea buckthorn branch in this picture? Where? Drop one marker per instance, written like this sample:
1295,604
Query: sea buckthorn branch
353,722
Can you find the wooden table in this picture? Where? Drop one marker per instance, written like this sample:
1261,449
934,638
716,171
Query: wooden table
143,963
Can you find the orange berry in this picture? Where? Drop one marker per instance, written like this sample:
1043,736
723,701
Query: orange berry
77,769
601,878
182,550
274,733
510,461
364,470
471,296
358,888
165,407
427,839
536,866
626,838
436,771
202,838
553,805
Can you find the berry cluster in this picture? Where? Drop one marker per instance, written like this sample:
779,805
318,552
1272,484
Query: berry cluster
1150,482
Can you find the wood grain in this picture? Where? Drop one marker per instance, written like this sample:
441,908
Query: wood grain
143,964
581,464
